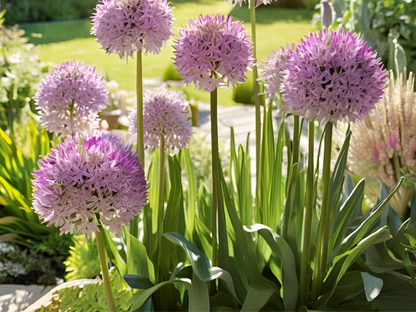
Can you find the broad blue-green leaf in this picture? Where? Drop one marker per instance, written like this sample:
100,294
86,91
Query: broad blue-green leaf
137,281
199,292
222,301
396,295
200,262
141,297
372,285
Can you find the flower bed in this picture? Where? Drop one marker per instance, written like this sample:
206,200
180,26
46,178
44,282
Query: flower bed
303,240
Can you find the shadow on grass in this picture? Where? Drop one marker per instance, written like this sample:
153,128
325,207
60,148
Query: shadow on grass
269,15
40,33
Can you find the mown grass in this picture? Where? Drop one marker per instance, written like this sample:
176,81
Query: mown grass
63,41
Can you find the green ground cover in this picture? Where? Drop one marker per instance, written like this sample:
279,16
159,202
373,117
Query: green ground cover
63,41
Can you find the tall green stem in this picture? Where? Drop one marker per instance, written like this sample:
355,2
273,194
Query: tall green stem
134,224
295,139
321,258
139,94
304,269
255,86
215,172
104,268
160,202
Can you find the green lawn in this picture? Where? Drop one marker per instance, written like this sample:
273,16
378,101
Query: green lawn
63,41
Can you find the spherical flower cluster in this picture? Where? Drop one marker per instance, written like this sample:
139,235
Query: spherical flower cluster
383,148
333,76
259,2
70,97
127,26
272,74
89,179
164,112
212,51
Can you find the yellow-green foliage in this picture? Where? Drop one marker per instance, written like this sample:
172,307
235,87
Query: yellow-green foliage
83,259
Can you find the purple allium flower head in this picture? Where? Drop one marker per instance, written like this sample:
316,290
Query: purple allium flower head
127,26
331,77
163,112
70,97
212,51
272,74
89,177
259,2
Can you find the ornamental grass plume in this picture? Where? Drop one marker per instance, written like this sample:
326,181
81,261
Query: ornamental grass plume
383,148
164,112
69,98
87,181
127,26
333,76
213,51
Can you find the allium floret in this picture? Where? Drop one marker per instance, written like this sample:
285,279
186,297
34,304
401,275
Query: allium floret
164,112
213,51
69,98
333,76
127,26
273,71
89,179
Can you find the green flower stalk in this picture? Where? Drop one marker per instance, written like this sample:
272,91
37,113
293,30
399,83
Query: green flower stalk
256,87
252,6
139,107
104,269
215,172
126,27
225,53
306,246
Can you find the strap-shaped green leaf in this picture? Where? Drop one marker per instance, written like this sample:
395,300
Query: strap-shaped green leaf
190,210
283,251
342,262
337,179
358,234
340,220
257,282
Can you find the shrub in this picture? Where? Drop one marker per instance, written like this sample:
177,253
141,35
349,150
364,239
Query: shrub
244,92
24,265
171,73
20,72
82,261
29,11
388,26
